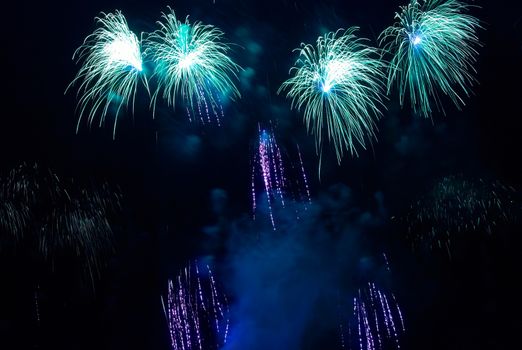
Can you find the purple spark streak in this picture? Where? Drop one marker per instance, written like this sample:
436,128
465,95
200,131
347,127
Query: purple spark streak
197,314
208,107
276,180
375,320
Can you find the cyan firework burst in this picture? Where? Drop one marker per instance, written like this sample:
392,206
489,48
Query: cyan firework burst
339,85
433,45
111,68
192,62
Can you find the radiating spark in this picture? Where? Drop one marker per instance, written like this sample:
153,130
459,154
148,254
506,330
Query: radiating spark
456,205
434,49
192,62
58,218
339,82
112,66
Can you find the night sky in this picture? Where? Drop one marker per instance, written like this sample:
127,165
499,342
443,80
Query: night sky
186,190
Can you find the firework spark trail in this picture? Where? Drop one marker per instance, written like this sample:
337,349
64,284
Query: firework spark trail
392,322
456,205
59,218
253,189
303,174
340,82
192,61
219,307
37,304
279,176
13,218
341,331
399,312
381,303
277,182
377,328
374,308
356,311
264,162
375,320
387,263
197,314
112,66
367,327
433,45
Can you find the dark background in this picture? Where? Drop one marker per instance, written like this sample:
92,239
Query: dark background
178,180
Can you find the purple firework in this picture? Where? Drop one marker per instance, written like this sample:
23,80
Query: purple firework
273,178
376,322
197,313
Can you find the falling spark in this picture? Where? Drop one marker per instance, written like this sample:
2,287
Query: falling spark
55,217
375,319
277,181
456,205
386,262
197,313
36,304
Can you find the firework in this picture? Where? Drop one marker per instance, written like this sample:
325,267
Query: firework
456,205
339,82
111,68
376,321
52,217
20,190
276,180
13,218
191,61
196,312
433,44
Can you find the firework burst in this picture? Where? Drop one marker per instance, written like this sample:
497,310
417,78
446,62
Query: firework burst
277,181
192,61
196,312
376,322
339,83
52,218
112,66
434,48
456,205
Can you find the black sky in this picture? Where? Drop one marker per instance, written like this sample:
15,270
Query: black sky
172,173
